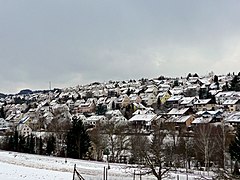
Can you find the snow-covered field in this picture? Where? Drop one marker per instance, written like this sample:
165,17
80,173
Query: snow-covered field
19,166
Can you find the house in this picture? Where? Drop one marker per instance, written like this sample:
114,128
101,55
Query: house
111,103
137,106
233,119
149,99
123,101
180,112
101,100
180,122
176,91
163,96
134,98
144,111
223,96
93,120
4,126
173,101
24,130
142,121
191,90
204,117
88,107
151,89
164,87
113,113
203,105
232,105
188,101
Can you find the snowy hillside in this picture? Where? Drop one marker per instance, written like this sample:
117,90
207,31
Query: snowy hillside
19,166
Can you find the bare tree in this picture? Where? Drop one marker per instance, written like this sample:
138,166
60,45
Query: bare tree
98,142
117,133
151,152
206,144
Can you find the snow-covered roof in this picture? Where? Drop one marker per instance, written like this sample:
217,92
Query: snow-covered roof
24,120
95,118
176,111
202,101
174,98
139,105
143,117
200,113
187,100
144,111
183,119
114,113
224,93
201,120
234,118
179,119
230,102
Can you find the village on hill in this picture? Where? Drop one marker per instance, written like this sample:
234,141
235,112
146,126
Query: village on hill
196,116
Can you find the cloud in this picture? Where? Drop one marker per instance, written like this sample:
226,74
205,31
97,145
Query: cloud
76,42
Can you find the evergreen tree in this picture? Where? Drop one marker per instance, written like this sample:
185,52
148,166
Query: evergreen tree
215,79
40,146
10,146
113,105
235,83
225,87
234,150
22,144
78,140
189,75
51,145
32,144
2,113
15,141
195,75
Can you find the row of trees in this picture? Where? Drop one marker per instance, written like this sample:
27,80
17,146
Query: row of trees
208,147
163,150
73,142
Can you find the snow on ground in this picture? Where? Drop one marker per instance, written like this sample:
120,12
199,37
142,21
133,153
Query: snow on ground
20,166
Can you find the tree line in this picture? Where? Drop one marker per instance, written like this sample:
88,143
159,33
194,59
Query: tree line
211,147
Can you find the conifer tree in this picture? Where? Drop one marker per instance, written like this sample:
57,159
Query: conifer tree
32,144
78,140
15,141
40,146
51,145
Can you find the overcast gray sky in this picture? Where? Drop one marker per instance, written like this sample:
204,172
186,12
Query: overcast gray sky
71,42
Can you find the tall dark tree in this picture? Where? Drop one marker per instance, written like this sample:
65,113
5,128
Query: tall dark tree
31,144
235,83
51,145
225,87
40,146
101,109
15,141
2,113
234,150
78,140
215,79
21,143
175,83
189,75
195,75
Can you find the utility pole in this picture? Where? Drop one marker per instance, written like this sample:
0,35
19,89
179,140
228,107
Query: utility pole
50,85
